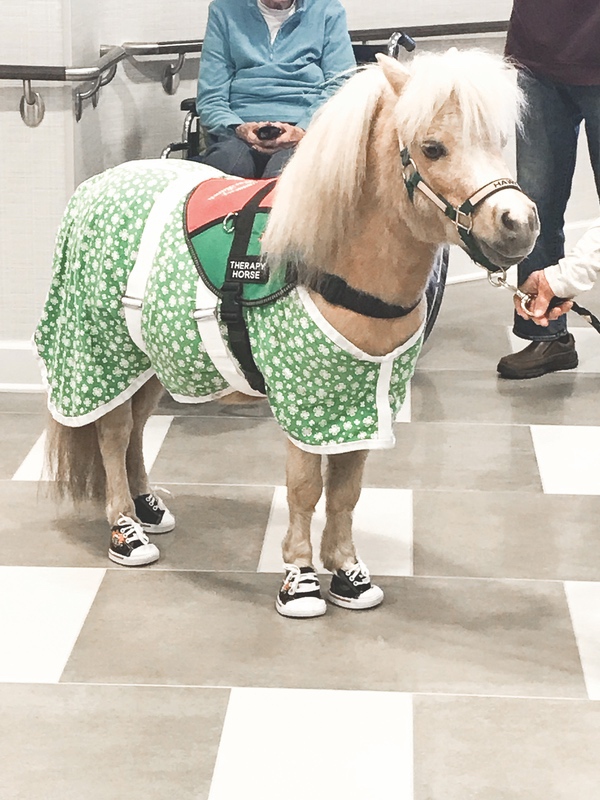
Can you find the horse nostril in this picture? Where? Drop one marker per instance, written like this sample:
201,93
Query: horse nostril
508,221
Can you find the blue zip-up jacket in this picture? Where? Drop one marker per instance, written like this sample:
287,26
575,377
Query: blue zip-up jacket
245,78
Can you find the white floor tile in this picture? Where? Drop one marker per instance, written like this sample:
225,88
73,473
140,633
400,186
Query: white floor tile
33,468
155,432
42,611
584,604
568,458
295,744
586,341
383,531
157,427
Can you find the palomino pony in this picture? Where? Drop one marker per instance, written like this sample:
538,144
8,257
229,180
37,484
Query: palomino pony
398,162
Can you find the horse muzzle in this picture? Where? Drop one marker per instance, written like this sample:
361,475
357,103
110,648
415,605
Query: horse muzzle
513,230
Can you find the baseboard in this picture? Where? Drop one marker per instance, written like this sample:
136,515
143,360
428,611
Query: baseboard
19,370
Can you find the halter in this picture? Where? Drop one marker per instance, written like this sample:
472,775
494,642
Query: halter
462,215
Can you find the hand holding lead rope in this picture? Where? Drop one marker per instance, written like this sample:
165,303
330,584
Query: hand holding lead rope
535,300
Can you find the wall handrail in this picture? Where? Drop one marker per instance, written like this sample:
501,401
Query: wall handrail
32,105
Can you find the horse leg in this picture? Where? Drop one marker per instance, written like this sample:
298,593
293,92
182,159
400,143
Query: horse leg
143,403
129,544
299,595
351,583
152,513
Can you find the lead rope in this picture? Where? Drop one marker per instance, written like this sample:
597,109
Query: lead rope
499,279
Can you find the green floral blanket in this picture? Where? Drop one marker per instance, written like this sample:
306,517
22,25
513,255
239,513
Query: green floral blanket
126,302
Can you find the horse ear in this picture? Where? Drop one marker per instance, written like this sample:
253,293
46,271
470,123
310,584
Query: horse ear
394,72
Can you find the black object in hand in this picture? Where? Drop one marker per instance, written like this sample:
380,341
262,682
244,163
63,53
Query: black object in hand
268,132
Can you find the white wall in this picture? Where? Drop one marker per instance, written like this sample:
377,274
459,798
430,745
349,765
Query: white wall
40,167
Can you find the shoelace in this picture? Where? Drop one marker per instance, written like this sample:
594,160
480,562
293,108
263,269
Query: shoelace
294,577
154,502
131,530
358,571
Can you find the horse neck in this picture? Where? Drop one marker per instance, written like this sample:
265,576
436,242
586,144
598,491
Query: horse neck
383,254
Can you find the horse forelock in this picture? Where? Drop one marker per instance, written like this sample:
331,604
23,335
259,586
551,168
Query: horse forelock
316,200
480,86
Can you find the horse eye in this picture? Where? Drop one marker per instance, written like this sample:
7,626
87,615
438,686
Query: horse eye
433,150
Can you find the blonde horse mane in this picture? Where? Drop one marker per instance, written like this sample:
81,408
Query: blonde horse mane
318,192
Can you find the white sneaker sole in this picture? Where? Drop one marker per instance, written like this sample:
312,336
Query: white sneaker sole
303,611
139,561
164,527
369,599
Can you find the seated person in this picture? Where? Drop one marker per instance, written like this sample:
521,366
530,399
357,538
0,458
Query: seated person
266,62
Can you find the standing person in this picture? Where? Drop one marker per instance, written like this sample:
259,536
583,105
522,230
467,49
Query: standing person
557,45
267,62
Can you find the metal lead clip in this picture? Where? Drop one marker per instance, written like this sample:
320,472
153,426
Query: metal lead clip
499,279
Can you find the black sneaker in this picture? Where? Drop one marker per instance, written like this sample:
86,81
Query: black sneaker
352,588
129,545
300,595
153,514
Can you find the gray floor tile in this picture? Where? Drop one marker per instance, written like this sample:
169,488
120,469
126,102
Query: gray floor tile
222,450
564,398
108,743
455,456
506,535
22,402
218,528
18,434
431,635
505,749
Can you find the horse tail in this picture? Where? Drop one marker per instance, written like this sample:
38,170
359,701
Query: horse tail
74,462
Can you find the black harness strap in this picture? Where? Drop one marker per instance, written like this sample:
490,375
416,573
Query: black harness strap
231,311
337,292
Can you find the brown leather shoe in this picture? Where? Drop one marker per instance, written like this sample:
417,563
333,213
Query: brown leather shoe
538,358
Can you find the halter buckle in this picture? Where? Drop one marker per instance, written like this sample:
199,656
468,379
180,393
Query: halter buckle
469,220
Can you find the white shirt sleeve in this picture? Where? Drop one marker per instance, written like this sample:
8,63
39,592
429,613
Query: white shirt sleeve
577,271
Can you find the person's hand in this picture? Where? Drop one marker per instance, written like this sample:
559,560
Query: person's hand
538,287
289,138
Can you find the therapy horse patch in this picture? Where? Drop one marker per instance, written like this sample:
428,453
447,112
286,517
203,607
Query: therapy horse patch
143,265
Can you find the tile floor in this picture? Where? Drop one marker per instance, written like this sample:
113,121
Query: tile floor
479,676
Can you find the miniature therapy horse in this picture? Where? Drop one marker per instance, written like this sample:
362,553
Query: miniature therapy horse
399,161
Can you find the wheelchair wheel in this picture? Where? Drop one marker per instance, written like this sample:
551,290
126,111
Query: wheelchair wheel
436,284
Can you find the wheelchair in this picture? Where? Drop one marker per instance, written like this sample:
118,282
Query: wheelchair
194,141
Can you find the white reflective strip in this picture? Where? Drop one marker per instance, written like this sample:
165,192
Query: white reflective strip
210,333
384,410
153,230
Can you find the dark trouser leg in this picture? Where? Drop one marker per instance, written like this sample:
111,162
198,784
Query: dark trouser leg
546,155
231,155
277,162
588,99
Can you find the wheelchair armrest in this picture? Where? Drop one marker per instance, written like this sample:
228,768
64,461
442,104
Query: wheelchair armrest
189,104
175,147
